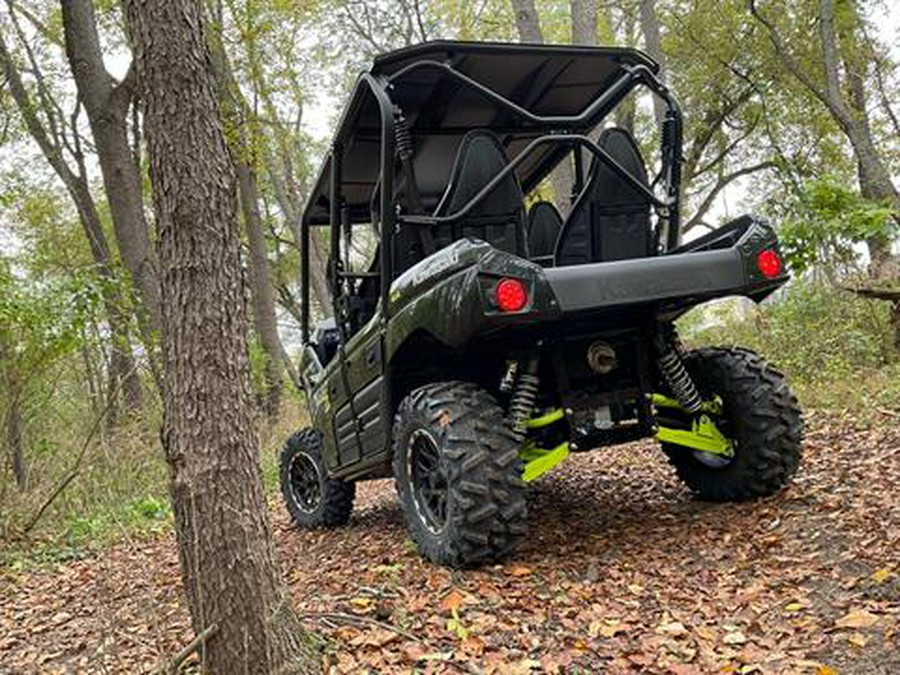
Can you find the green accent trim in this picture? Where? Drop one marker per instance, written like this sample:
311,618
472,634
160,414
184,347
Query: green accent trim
662,401
544,420
539,461
703,436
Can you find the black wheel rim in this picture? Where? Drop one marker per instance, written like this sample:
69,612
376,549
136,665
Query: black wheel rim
428,480
306,484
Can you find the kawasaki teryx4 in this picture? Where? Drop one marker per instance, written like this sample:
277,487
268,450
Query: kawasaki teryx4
478,337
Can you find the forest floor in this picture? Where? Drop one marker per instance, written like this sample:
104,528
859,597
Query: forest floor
623,572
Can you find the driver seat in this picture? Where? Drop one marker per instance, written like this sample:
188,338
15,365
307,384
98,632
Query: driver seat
499,219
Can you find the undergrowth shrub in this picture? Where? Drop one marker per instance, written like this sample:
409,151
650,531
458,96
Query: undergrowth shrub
834,346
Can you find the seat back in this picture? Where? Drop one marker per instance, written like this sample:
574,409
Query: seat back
544,225
499,219
610,220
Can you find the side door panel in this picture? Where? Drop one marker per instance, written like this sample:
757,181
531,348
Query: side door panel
364,363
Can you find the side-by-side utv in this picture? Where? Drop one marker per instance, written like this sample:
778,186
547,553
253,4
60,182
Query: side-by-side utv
478,336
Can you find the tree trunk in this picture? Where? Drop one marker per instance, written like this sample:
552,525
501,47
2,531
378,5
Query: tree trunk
224,539
653,45
15,444
527,21
12,427
107,104
584,22
261,292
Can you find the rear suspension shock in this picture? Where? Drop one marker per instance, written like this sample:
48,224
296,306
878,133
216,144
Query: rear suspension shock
521,404
676,375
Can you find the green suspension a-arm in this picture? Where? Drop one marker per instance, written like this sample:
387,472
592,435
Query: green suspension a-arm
538,460
703,435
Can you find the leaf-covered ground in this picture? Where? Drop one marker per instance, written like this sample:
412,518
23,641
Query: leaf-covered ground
623,572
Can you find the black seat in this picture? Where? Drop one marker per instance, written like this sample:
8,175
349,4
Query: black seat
544,225
610,220
499,219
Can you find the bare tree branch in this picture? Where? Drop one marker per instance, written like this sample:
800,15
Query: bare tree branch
721,184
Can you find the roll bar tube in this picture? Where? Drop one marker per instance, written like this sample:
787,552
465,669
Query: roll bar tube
619,88
599,108
571,139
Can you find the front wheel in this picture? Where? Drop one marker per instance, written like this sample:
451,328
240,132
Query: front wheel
311,497
458,474
760,416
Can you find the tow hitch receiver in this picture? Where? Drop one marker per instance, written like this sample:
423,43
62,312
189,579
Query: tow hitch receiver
704,435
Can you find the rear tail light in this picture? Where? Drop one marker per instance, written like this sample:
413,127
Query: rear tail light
511,295
768,263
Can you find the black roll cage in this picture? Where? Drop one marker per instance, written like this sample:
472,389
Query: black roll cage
563,132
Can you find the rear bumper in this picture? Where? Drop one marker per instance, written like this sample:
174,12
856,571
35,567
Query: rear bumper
716,266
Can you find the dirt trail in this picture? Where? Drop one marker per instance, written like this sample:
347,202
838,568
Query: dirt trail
623,572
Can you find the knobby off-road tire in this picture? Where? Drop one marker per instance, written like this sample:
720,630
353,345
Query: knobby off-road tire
476,466
312,498
760,415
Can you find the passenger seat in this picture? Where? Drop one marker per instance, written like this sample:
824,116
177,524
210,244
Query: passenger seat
610,220
499,219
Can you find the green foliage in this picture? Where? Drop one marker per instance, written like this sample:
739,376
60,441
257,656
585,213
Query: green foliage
835,347
39,322
833,220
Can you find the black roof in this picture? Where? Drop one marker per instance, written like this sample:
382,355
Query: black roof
546,80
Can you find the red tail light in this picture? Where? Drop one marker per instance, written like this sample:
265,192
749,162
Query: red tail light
768,263
511,295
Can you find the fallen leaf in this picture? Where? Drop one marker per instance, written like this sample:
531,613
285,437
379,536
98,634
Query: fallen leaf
413,652
520,571
611,630
881,575
734,638
825,670
672,628
437,656
859,618
857,640
374,638
472,645
452,600
362,603
794,606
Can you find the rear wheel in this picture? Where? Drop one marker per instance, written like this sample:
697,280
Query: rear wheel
458,474
312,498
760,416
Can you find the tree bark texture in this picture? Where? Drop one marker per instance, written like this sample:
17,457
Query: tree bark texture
224,539
584,22
107,105
527,21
